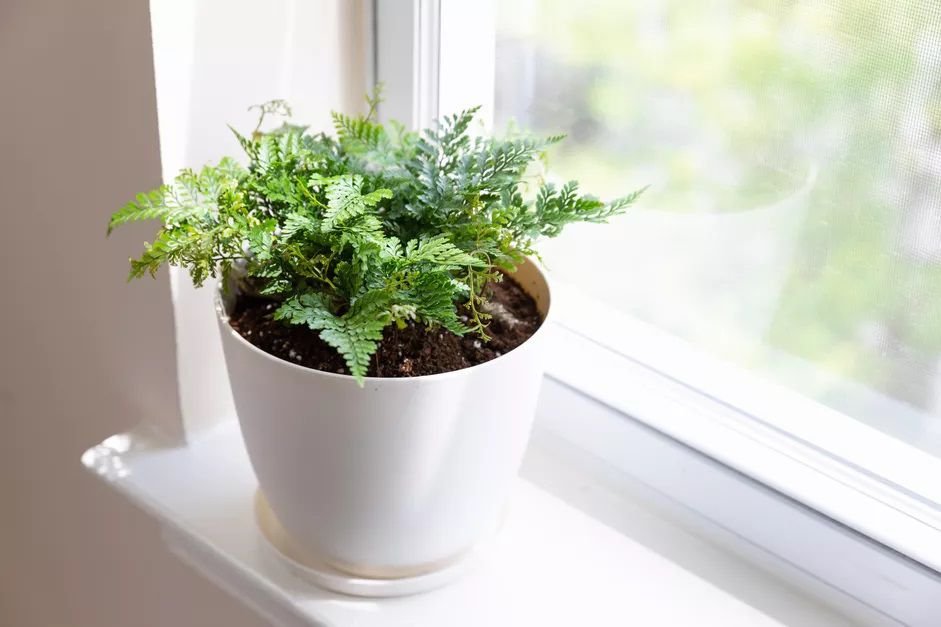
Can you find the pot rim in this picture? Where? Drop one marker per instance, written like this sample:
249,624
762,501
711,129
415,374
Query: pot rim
224,317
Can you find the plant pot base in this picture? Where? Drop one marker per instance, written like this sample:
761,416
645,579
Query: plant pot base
380,582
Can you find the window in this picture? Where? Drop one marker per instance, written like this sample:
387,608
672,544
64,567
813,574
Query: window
774,301
793,225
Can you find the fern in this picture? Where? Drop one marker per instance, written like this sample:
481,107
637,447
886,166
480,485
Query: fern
356,340
433,301
191,196
440,252
307,309
375,226
355,334
345,200
357,134
146,206
299,223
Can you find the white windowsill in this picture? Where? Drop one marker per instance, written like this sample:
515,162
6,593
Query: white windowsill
847,470
551,565
835,525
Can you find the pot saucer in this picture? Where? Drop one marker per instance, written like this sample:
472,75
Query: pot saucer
319,572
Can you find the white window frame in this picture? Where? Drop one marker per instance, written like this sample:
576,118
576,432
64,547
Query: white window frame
436,57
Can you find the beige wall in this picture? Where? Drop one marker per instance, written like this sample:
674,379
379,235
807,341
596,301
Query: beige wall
83,355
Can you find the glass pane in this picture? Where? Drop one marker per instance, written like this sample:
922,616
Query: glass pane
793,224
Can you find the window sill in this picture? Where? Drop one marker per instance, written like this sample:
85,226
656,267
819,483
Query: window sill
551,564
671,379
833,524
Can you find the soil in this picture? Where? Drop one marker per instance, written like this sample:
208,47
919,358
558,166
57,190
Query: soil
410,352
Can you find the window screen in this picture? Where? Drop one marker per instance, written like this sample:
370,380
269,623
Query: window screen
793,223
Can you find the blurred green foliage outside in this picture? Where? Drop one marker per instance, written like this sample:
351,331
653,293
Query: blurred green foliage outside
731,106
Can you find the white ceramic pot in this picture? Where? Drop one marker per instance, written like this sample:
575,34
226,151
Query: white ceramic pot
396,478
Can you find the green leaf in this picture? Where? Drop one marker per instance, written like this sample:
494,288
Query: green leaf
173,247
433,297
348,276
298,224
618,205
307,309
357,134
191,196
355,335
356,342
261,239
346,201
440,251
146,206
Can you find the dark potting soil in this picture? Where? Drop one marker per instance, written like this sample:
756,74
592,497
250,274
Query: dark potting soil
409,352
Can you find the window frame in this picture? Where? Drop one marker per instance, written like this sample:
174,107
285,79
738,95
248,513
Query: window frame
833,464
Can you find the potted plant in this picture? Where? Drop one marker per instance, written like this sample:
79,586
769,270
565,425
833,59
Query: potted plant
381,320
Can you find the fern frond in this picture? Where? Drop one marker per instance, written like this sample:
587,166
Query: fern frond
433,297
145,206
355,342
617,205
175,247
348,276
190,196
555,208
309,309
356,133
298,223
451,131
439,250
346,201
355,335
250,146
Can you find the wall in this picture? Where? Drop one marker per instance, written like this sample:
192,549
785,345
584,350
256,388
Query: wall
83,354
